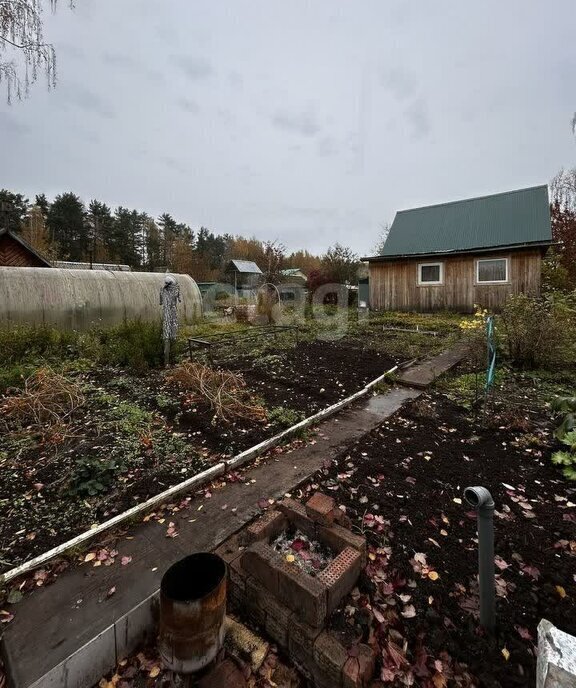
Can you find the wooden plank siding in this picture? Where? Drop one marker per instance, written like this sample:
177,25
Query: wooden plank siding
394,285
13,254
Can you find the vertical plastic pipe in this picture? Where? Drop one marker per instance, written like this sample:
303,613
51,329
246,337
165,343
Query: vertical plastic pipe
481,499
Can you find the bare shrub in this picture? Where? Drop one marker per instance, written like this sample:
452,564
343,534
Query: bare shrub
222,391
540,332
47,400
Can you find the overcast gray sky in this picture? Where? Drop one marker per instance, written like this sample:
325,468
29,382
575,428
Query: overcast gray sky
306,121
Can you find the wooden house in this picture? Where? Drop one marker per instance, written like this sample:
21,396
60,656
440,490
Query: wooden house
17,253
454,255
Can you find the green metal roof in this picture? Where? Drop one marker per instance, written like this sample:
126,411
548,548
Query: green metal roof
508,220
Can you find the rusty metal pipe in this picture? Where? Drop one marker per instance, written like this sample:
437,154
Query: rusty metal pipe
192,612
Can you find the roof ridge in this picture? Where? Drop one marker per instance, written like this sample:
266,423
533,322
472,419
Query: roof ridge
473,198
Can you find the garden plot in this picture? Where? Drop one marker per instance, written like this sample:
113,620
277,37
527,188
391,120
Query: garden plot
78,448
402,487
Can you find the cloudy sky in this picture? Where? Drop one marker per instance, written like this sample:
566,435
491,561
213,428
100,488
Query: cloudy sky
306,121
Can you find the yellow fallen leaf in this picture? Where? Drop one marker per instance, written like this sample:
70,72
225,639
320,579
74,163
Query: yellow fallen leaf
154,671
290,557
505,653
433,575
90,556
560,590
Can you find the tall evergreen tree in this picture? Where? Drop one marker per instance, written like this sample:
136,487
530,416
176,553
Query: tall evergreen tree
169,232
152,245
67,226
42,202
105,242
13,209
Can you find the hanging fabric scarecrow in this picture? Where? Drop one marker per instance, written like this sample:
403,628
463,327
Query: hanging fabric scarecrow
169,299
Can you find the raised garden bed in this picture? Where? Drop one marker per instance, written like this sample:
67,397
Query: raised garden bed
134,436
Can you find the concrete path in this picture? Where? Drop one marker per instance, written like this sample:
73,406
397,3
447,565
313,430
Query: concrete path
54,622
424,374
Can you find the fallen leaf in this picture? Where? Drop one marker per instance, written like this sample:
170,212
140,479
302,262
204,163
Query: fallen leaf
532,571
409,611
14,596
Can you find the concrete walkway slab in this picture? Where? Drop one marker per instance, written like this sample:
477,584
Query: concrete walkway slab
424,374
58,621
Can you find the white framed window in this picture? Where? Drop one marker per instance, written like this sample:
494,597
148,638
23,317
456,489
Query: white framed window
492,270
430,274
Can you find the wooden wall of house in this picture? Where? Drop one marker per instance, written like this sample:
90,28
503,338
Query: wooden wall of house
13,254
394,285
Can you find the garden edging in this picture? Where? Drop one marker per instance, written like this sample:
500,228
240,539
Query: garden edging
196,481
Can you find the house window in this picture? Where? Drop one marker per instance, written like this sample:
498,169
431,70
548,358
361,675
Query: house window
430,273
492,270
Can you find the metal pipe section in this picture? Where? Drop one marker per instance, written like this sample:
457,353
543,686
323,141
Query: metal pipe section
480,499
192,612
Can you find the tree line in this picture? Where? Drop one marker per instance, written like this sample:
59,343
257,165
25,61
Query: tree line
68,229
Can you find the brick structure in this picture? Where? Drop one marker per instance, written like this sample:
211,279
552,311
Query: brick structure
340,575
291,606
320,508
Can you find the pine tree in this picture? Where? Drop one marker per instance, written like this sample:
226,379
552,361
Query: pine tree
13,209
67,226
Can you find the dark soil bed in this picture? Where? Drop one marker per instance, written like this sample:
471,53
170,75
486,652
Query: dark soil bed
402,486
313,375
133,438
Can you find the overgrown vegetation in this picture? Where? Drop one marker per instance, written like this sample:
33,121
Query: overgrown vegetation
566,434
45,404
136,345
540,332
222,391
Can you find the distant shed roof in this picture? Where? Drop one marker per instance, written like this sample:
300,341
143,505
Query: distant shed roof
293,272
504,220
244,266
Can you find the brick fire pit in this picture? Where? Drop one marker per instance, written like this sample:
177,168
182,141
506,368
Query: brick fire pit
292,606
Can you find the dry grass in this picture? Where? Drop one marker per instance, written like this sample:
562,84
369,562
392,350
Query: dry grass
47,400
223,391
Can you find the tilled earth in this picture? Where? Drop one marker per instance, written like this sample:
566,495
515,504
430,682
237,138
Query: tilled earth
417,601
313,375
133,438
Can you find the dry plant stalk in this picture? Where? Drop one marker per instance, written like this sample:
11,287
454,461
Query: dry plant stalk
47,400
225,392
